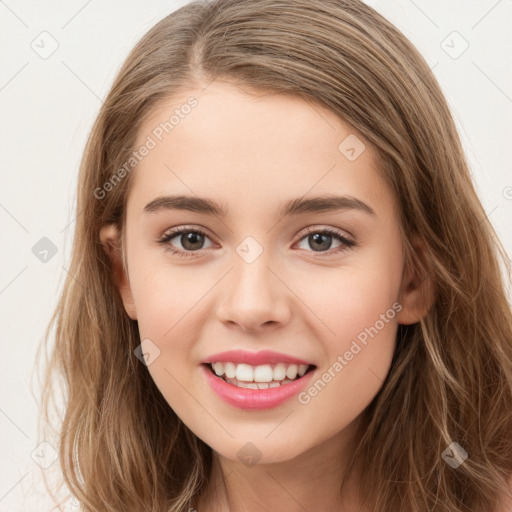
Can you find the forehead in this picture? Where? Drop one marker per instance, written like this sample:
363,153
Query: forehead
256,148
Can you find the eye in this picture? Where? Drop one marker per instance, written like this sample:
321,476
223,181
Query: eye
321,239
191,240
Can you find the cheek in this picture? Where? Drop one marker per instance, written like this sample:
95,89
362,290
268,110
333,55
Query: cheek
168,302
358,335
166,298
352,298
357,308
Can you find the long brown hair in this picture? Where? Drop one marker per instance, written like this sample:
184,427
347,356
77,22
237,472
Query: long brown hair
451,375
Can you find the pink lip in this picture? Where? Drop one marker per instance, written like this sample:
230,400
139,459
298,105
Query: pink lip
253,358
255,399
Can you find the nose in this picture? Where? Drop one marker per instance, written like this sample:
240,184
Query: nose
254,297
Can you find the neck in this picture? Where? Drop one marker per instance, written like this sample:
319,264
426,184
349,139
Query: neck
305,482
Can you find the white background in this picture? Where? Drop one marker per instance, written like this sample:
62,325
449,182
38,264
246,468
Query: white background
47,108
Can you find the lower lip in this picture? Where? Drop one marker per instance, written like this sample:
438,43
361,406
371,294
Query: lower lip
257,399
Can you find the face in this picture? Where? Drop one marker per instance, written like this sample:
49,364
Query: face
323,285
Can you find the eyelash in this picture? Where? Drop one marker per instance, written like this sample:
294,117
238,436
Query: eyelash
347,243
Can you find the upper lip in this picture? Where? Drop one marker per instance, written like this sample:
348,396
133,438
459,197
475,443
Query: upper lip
253,358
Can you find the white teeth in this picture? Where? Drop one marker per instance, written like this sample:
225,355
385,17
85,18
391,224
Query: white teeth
279,371
244,372
218,368
262,374
291,372
230,370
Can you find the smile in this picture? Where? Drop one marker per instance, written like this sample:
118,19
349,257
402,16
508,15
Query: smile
256,387
259,377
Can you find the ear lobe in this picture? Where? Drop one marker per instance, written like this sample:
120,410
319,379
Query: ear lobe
110,239
417,291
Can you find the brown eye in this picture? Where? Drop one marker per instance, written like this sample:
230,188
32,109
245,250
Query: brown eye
320,240
191,240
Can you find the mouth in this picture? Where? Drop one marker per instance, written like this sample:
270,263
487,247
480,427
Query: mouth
256,380
259,377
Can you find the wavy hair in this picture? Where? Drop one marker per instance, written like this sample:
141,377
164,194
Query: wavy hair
451,374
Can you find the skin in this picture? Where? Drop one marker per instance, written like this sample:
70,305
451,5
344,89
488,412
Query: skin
252,153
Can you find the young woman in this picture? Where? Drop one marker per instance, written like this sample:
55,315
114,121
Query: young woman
284,291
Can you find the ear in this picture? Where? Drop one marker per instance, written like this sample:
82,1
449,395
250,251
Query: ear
110,239
417,290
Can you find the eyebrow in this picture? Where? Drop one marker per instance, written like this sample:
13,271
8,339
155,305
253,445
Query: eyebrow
326,203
